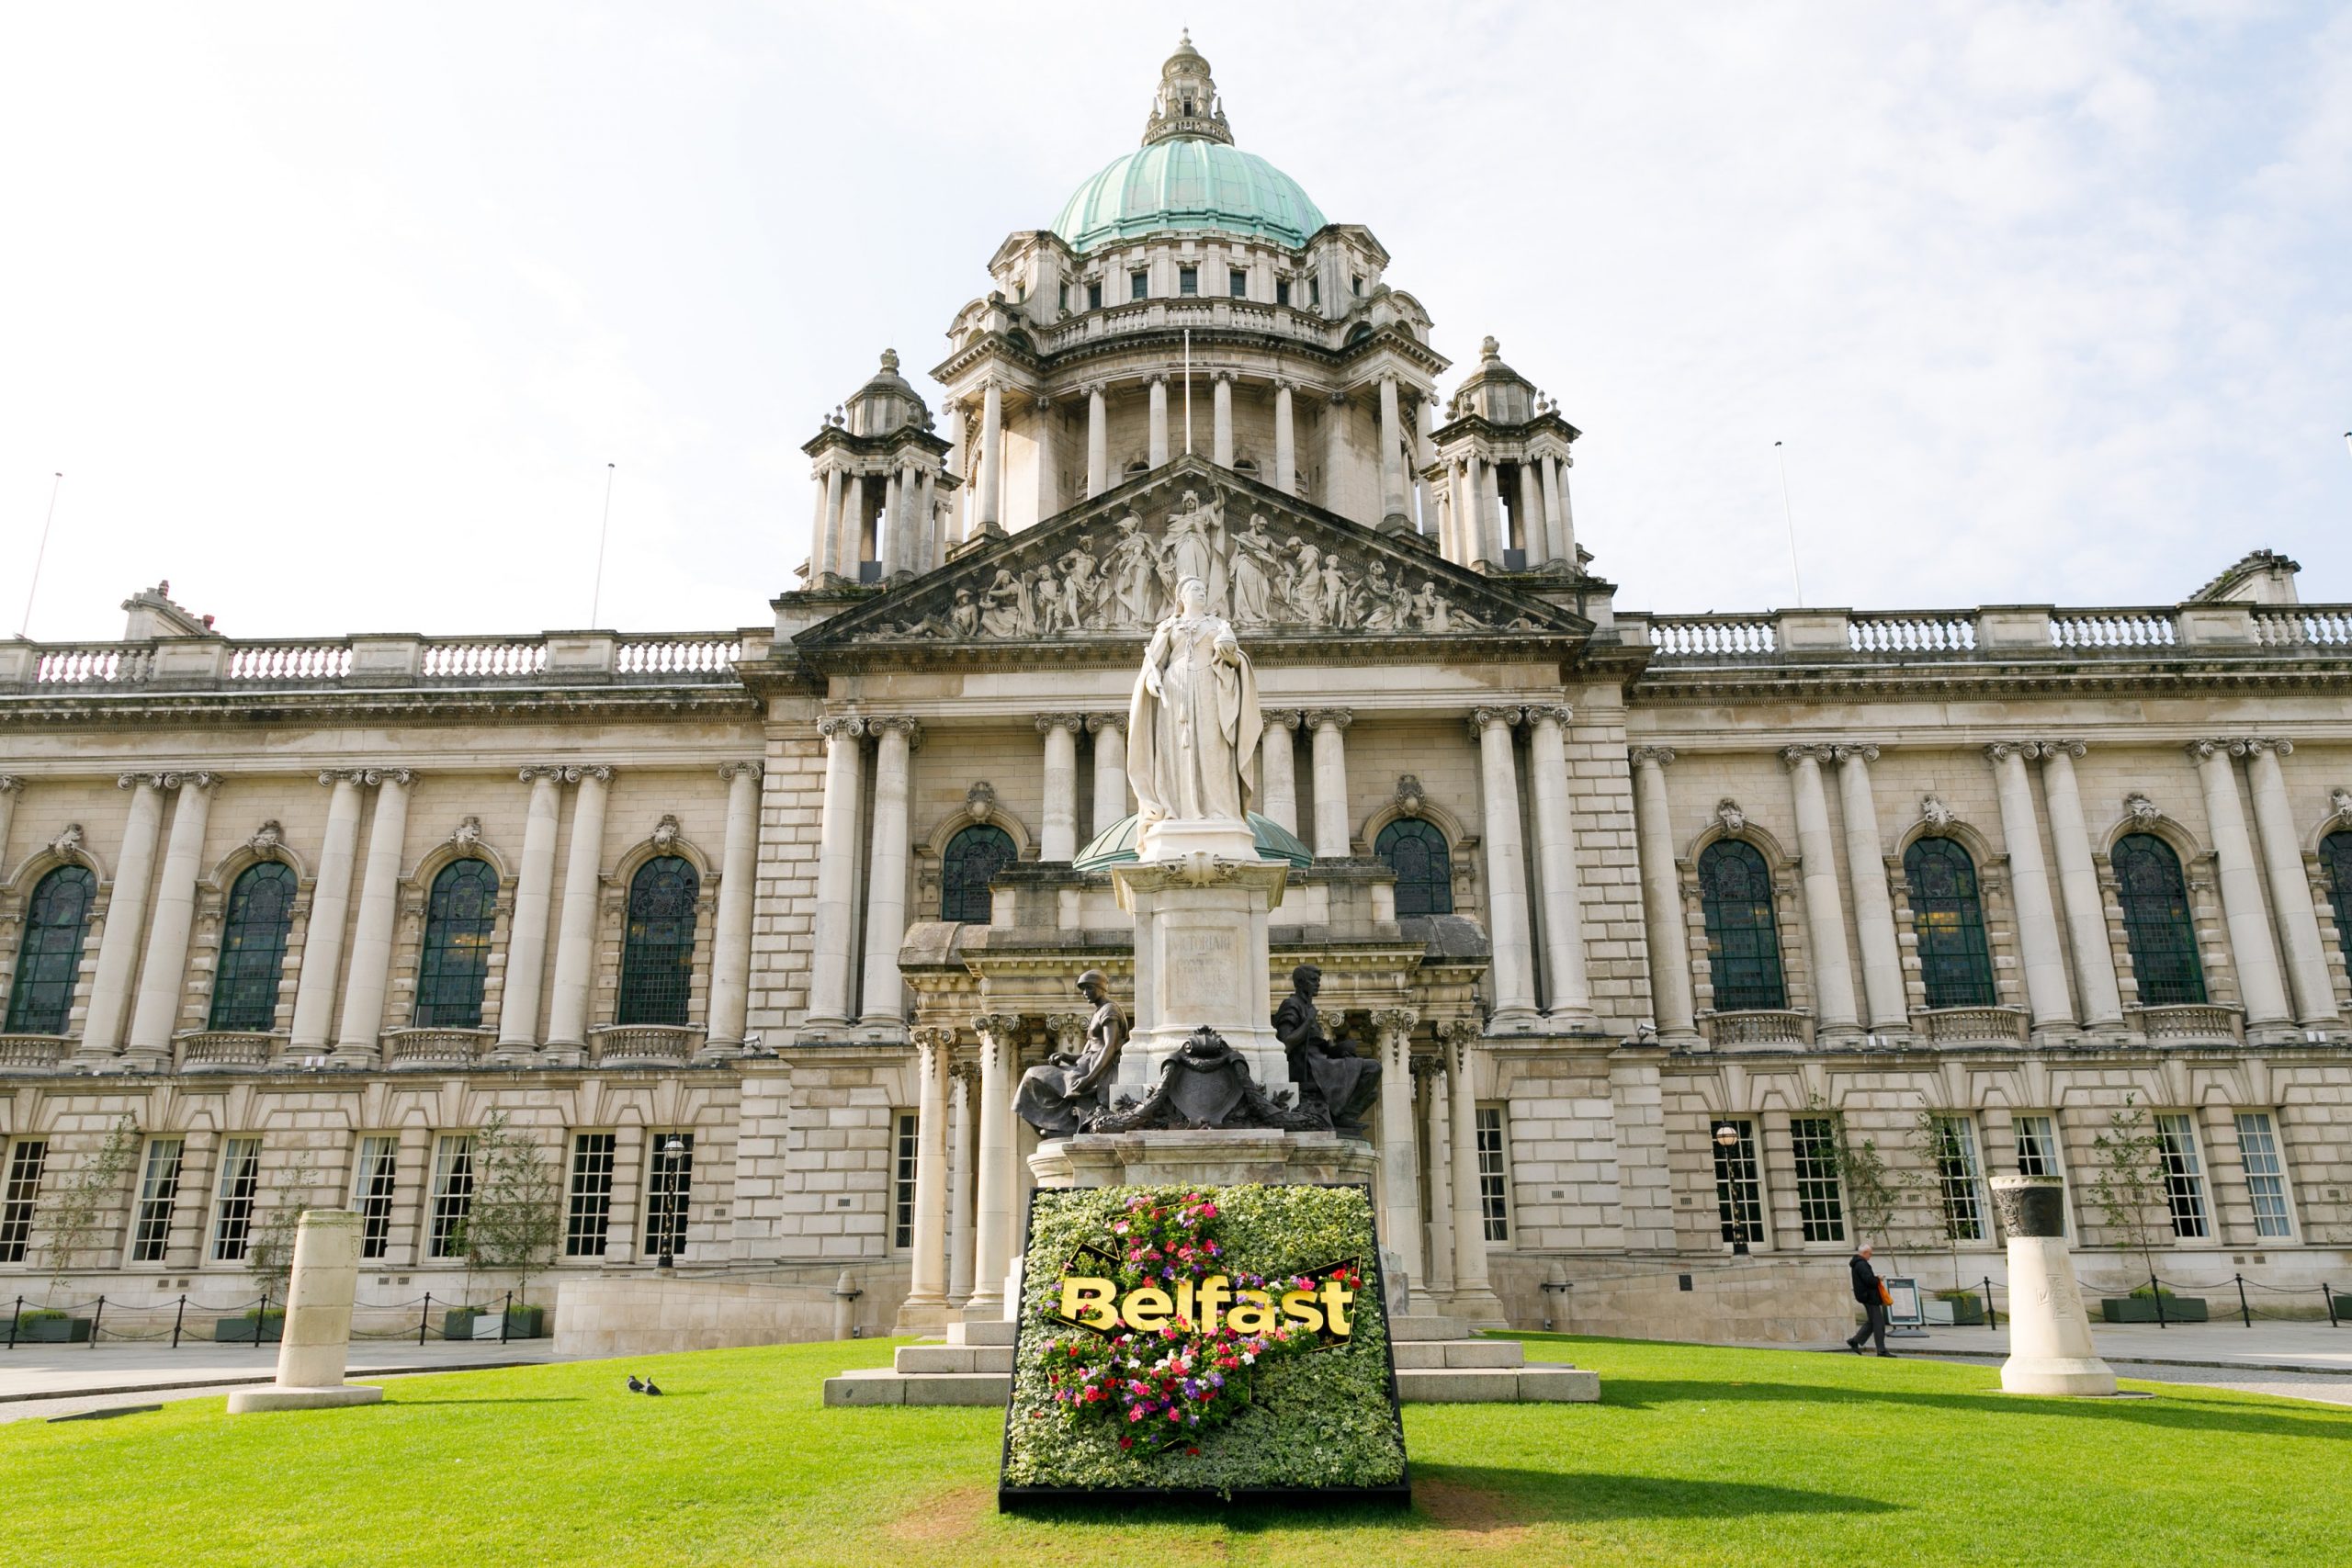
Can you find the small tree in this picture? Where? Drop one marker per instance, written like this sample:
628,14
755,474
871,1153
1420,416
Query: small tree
515,1221
2131,1180
85,1197
1941,1162
269,1255
1873,1195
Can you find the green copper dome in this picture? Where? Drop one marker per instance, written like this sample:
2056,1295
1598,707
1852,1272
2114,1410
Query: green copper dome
1187,182
1116,845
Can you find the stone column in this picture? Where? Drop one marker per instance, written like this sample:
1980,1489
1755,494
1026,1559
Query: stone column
1285,442
926,1303
314,983
1883,988
1277,775
958,464
835,937
1507,924
1098,441
1437,1116
885,881
1669,938
827,530
1569,991
575,942
1824,911
1401,1177
2095,981
357,1036
1057,827
10,785
2047,1003
1221,419
526,930
1532,531
993,1230
1564,516
2259,981
126,923
889,531
923,538
961,1088
730,951
2282,857
1110,732
1158,436
1049,475
1332,836
991,457
1425,454
1555,535
849,545
1449,531
1335,453
164,974
1491,514
315,1345
1474,1298
1392,460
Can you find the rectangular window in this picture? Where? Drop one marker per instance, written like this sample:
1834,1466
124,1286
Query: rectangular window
668,1192
232,1208
453,1195
2037,1153
2184,1178
1355,284
1961,1175
588,1212
1494,1178
1237,283
902,1180
1064,301
1315,291
18,1191
1739,1186
1094,295
1281,291
1139,286
371,1193
2265,1175
1820,1203
158,1189
1188,280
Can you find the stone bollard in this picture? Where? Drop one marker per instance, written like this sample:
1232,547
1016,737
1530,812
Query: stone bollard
845,1295
316,1345
2049,1333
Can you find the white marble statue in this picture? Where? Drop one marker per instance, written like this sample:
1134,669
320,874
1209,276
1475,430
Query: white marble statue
1193,723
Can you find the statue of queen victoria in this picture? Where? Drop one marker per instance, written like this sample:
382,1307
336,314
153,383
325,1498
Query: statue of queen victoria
1193,723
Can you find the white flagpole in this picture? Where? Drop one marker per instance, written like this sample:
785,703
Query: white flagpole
56,481
1788,512
1188,392
597,596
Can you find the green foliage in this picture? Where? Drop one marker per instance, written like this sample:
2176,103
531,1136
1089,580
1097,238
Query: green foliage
515,1221
86,1198
269,1253
1317,1420
2130,1183
41,1315
1874,1195
1939,1158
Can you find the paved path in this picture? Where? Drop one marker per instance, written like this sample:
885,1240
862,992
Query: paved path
2295,1361
43,1381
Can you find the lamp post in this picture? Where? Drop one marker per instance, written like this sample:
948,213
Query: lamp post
670,1152
1735,1227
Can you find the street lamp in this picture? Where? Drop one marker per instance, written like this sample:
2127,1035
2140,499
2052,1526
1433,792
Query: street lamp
670,1152
1726,1145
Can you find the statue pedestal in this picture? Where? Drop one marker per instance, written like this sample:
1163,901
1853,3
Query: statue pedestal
1202,953
2050,1332
1222,1157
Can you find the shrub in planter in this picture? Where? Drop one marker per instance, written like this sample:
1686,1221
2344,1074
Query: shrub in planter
1967,1307
43,1326
522,1322
2141,1307
255,1328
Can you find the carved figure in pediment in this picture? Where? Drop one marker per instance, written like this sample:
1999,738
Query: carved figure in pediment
1302,584
1194,545
1005,607
1046,597
1431,610
1135,574
1082,587
964,620
1256,568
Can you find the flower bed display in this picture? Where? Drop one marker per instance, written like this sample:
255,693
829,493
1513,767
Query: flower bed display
1222,1341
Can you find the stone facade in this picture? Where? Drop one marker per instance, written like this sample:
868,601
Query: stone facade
807,890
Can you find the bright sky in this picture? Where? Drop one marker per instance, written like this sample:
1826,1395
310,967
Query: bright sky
334,315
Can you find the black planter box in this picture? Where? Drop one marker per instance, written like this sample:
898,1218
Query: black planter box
249,1330
522,1322
2142,1309
52,1330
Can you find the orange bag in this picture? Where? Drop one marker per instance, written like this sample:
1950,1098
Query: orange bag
1884,1299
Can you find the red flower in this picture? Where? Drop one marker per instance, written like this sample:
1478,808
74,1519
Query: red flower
1192,1451
1126,1442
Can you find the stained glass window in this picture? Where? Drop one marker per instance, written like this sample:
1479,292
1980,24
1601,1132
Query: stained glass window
658,956
2335,856
40,1001
1949,916
253,947
1416,851
1743,943
2157,922
974,857
459,919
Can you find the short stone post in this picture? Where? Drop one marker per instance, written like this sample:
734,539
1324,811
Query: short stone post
2049,1333
316,1345
845,1295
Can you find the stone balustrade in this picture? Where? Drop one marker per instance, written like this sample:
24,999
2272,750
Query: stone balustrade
1758,1028
2191,1024
644,1044
1971,1025
228,1051
2003,632
364,660
32,1053
431,1050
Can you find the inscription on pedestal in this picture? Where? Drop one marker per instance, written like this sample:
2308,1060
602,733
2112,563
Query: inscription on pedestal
1203,970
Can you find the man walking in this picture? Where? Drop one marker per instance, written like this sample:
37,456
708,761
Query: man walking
1871,1294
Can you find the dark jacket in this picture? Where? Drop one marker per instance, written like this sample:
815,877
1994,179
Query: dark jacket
1865,1280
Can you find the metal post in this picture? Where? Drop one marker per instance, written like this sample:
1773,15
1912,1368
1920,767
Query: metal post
503,1313
2327,1293
2156,1293
1992,1318
2244,1315
424,1321
96,1316
16,1316
178,1316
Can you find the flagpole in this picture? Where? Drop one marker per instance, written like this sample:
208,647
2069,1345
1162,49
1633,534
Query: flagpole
1188,392
597,596
55,482
1796,576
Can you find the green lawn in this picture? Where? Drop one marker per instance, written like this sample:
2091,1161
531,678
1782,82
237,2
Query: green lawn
1695,1455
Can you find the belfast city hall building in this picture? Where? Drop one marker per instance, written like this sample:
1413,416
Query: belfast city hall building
1648,916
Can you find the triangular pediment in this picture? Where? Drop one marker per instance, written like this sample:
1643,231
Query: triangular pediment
1105,571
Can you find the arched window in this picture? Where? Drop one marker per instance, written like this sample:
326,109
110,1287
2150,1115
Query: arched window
1415,850
1743,942
974,857
41,999
459,919
2336,858
658,957
253,947
1949,916
2156,921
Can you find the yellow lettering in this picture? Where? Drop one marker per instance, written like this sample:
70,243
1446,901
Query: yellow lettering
1299,1307
1087,1301
1252,1312
1336,1298
1148,1308
1215,1291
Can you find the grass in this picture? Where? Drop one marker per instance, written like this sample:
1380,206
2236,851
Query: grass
1695,1455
